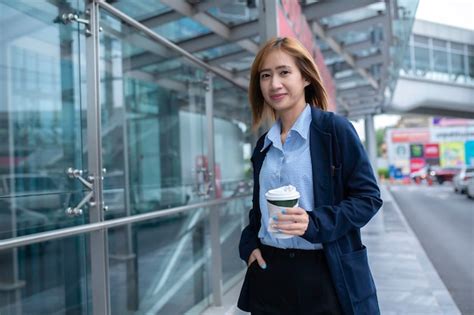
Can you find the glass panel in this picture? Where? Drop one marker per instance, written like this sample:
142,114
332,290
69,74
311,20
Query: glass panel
153,124
407,66
41,114
233,219
420,39
438,43
218,51
440,61
235,13
457,67
471,67
422,60
46,278
402,29
181,29
457,47
354,15
161,266
232,137
140,9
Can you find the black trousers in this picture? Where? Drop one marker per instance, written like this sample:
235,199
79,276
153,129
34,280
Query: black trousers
295,282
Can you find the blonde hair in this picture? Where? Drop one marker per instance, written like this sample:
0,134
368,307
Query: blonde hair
315,94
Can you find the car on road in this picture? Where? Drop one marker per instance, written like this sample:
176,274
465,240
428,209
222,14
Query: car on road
444,174
470,188
425,173
460,179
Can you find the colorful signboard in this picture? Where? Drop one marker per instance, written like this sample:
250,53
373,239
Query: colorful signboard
452,154
469,148
416,164
416,151
431,151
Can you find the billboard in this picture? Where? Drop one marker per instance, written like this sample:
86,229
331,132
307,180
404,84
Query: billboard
452,154
416,151
431,153
469,153
411,135
416,164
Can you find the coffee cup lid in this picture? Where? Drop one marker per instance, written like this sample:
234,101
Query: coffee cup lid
282,193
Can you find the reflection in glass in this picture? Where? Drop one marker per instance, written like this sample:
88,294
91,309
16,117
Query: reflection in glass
232,137
422,60
181,29
153,120
41,60
55,271
169,270
233,218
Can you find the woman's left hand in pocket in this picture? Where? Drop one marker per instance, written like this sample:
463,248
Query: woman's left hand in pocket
293,221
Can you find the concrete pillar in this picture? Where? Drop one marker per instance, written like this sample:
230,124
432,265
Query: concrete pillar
371,141
267,19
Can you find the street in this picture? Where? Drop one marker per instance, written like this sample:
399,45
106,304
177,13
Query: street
444,224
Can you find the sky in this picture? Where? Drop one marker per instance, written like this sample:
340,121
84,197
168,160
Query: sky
458,13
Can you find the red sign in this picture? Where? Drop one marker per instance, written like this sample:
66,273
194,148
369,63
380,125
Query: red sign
411,136
432,151
416,164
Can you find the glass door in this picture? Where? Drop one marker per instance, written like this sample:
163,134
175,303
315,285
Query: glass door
41,130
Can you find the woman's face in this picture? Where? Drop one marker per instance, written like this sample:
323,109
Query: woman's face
282,83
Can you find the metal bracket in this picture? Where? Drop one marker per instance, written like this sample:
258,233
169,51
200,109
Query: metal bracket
67,18
89,184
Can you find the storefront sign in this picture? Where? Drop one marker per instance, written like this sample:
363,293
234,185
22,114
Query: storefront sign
452,134
413,135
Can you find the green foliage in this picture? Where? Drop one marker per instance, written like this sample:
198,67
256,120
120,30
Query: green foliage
380,139
383,172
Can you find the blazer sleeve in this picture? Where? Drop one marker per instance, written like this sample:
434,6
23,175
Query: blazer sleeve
249,238
361,195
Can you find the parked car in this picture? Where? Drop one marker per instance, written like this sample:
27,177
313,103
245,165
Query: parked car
444,174
36,192
461,178
470,188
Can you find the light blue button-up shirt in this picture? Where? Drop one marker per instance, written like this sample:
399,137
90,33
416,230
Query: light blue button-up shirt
287,164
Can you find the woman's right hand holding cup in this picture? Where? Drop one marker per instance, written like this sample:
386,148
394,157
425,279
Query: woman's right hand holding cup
257,255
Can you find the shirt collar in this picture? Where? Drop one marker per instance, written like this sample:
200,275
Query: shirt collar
301,127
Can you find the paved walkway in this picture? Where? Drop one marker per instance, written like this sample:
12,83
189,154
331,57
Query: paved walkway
406,281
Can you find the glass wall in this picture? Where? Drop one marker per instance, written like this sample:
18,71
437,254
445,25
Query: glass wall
438,59
52,277
41,113
153,123
155,108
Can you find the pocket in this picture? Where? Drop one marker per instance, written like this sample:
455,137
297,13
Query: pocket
252,265
355,267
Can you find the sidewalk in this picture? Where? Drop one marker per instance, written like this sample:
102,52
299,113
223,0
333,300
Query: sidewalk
406,281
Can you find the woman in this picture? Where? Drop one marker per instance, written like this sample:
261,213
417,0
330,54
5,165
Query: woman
323,268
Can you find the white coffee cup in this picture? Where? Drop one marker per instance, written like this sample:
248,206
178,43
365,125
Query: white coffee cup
282,197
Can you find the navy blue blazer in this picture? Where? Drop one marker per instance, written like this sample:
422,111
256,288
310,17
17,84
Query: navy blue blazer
346,197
